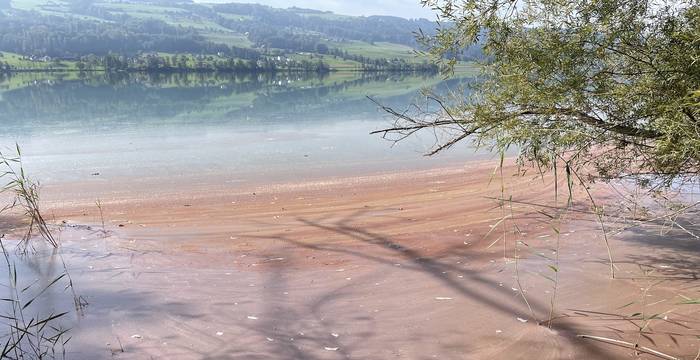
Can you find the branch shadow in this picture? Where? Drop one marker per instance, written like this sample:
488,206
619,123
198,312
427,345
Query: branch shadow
435,267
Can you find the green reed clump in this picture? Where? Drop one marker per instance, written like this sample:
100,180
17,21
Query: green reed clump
28,331
30,337
26,197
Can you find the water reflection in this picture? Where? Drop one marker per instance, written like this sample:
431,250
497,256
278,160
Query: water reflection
112,99
225,126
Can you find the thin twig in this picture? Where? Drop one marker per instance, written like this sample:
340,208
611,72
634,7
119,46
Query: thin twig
629,345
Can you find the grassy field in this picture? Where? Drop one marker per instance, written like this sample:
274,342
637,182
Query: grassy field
170,15
51,8
23,63
377,50
332,61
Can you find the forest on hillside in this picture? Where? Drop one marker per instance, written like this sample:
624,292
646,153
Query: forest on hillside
147,34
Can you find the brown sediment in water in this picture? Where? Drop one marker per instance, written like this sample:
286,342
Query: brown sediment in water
375,267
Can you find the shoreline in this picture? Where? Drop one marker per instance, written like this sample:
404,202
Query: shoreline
71,193
396,265
214,71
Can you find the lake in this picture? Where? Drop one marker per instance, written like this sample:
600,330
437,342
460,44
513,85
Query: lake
217,217
204,129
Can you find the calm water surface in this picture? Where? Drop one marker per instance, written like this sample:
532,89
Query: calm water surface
211,129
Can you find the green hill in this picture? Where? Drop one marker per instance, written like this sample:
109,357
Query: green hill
260,37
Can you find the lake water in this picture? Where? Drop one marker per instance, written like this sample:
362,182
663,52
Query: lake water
212,128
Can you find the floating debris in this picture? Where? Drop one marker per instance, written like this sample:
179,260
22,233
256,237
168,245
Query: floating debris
443,298
522,320
252,317
331,348
334,335
219,333
136,336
